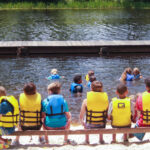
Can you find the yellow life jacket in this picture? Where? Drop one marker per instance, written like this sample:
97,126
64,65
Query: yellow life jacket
97,105
10,119
87,77
30,109
121,113
146,108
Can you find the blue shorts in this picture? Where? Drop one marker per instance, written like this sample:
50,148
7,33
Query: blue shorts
6,131
140,136
90,126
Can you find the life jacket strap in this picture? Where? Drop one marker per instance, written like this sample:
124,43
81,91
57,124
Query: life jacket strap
146,114
24,115
56,114
102,115
11,116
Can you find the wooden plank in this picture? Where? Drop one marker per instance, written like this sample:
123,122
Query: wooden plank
87,131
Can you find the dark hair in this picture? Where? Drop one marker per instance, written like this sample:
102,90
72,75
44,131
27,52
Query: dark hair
54,87
121,88
92,78
96,86
77,78
29,88
128,70
147,82
90,73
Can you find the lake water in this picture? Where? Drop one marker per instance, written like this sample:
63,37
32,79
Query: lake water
17,71
63,25
54,25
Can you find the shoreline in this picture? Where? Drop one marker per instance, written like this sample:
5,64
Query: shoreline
75,5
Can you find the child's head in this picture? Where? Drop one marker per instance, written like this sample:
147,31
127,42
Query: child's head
128,70
2,91
136,71
90,73
77,78
29,88
54,88
122,90
96,86
147,84
54,71
92,78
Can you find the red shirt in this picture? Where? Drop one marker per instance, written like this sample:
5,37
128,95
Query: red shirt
139,107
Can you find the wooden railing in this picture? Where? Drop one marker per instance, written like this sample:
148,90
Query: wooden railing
82,131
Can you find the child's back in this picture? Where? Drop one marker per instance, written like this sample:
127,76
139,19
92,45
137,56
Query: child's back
121,110
76,86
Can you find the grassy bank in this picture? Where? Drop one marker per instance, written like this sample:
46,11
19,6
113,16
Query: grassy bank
75,4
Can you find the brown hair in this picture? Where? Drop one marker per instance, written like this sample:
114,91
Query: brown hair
90,73
92,78
121,88
2,91
97,86
54,87
128,70
77,78
29,88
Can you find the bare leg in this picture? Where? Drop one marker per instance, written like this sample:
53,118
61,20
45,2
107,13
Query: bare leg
101,138
87,138
114,138
67,128
125,137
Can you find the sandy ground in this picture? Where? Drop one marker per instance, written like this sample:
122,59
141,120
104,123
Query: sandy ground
56,143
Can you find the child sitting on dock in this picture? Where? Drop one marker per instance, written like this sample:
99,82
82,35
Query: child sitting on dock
54,75
55,111
127,75
30,109
92,78
143,107
76,86
121,109
137,74
9,117
95,107
90,73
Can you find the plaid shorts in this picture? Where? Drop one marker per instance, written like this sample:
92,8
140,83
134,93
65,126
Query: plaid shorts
6,131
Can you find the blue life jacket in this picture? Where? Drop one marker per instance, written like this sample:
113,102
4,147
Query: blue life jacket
129,77
55,106
137,76
75,87
55,76
89,84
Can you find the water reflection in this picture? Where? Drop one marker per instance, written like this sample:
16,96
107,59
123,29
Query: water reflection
40,25
17,71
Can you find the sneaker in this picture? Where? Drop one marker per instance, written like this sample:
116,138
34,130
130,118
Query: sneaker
42,140
15,142
71,142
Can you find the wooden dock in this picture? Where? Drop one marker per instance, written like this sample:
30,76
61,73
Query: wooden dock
72,47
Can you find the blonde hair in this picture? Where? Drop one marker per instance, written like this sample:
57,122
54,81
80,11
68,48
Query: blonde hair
54,87
54,71
124,74
136,71
2,91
